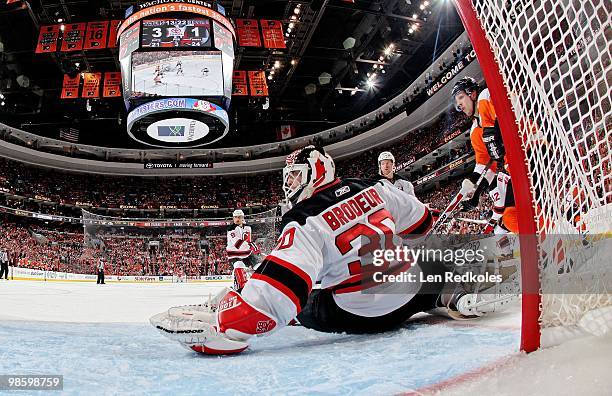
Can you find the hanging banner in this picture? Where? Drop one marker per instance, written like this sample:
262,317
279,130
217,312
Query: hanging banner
74,34
241,86
97,33
112,85
257,79
286,132
47,39
248,33
272,32
91,85
70,87
112,35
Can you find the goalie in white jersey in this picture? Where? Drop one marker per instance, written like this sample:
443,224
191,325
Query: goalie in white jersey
332,224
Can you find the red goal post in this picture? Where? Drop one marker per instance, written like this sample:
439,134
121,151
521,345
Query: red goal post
517,44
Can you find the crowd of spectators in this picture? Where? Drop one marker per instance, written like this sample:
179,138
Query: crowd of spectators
148,252
53,190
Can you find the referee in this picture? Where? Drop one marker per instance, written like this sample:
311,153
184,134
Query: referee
100,268
4,264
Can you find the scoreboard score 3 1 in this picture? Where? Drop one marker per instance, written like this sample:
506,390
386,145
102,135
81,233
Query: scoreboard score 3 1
176,33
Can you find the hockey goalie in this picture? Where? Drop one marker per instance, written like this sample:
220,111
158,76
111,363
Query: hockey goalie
332,224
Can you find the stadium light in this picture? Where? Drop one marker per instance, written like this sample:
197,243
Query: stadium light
414,16
426,3
62,27
415,27
422,7
291,25
296,11
410,30
277,64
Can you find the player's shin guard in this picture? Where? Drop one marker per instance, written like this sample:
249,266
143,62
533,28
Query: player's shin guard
240,275
239,320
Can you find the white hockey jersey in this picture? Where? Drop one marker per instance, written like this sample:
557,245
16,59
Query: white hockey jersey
238,241
323,238
403,184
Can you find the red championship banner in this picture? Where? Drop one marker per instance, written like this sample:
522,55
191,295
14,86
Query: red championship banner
259,87
112,35
272,32
70,87
91,85
47,39
112,85
96,35
74,34
248,33
241,85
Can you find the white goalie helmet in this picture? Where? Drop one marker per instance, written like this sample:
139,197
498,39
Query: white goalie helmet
238,213
306,170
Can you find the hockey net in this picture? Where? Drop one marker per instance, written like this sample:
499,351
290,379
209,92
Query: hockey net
183,248
547,65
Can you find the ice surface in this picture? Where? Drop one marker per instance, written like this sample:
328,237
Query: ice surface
99,338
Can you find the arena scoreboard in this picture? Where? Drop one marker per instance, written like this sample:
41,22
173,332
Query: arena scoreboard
177,60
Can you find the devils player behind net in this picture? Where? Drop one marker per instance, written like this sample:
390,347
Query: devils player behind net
386,169
332,224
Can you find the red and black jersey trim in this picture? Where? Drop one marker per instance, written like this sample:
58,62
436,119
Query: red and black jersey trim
420,227
287,278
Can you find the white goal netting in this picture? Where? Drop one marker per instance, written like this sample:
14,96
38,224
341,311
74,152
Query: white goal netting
554,59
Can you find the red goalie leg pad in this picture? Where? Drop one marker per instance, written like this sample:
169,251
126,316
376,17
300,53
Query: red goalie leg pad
239,320
240,278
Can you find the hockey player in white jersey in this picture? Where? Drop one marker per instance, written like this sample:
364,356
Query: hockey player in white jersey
241,250
386,169
332,225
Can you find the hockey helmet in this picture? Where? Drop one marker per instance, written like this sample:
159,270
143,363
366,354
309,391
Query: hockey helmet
305,171
238,213
386,155
466,84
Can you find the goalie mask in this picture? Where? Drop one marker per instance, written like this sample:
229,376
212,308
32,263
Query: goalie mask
305,171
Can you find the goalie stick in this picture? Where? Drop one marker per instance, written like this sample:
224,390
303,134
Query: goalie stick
454,206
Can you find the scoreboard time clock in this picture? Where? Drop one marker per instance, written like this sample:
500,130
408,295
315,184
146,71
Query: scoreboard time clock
176,33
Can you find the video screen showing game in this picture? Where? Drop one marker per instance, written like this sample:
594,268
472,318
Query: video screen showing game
177,73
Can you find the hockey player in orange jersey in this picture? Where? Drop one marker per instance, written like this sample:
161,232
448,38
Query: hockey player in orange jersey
488,146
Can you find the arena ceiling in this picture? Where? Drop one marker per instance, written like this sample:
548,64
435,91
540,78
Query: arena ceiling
319,83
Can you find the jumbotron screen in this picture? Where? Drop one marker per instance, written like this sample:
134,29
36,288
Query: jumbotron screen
177,73
176,33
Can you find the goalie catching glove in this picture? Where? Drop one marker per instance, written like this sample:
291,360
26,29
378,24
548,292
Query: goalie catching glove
215,329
